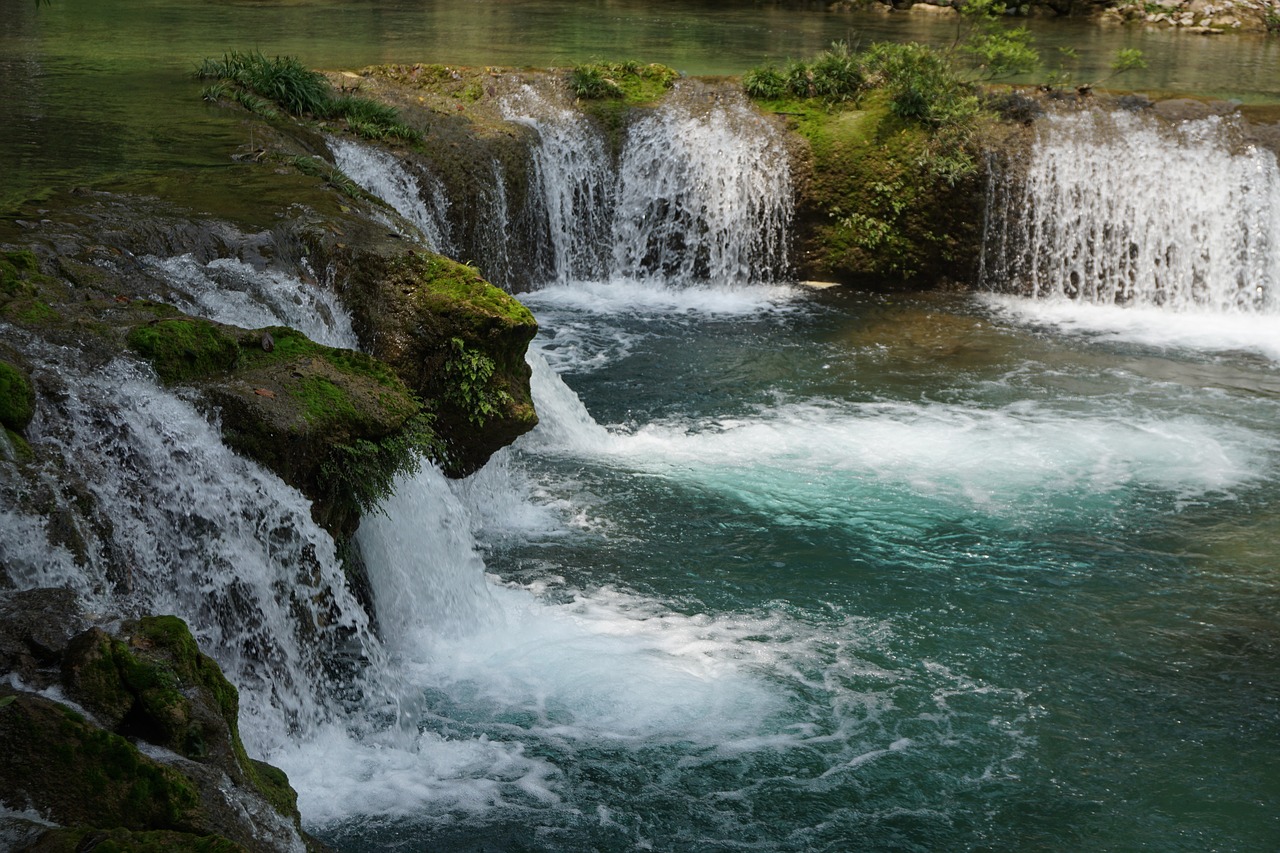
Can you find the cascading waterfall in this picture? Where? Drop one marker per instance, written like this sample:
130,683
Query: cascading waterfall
230,291
379,172
576,181
701,193
207,535
705,195
1120,209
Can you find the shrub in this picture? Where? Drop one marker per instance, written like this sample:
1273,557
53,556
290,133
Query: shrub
921,85
765,83
837,74
257,83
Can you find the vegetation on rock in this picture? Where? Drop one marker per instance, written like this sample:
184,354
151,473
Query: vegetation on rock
630,81
262,85
17,398
456,340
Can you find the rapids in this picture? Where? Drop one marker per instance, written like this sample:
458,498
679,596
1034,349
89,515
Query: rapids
780,569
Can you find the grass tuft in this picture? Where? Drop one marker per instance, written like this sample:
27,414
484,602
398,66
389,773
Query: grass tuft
261,85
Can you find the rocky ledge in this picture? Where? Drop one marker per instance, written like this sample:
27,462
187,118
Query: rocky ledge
126,734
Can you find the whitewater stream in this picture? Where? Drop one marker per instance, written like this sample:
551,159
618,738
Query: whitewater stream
785,569
782,568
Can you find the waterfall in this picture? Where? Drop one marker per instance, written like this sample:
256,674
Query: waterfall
180,524
576,184
427,208
1120,209
230,291
701,191
705,194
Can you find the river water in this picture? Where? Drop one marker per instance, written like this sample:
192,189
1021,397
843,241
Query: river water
782,568
96,91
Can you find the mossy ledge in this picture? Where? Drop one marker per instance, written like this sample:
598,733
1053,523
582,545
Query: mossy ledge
336,424
456,341
144,683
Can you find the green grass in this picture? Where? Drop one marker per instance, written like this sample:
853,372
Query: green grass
629,81
265,86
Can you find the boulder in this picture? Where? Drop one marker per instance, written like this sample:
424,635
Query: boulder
130,731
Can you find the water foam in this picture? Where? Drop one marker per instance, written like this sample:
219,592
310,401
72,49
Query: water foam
379,172
805,461
230,291
1214,332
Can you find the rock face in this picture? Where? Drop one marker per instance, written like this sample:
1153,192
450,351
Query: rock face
126,733
457,341
868,214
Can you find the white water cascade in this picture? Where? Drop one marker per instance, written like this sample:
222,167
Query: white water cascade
206,535
701,192
1121,209
426,208
576,184
230,291
704,194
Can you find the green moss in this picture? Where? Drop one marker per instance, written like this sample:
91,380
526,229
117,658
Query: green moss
105,776
630,81
15,267
871,210
448,285
290,345
22,451
127,841
184,349
17,398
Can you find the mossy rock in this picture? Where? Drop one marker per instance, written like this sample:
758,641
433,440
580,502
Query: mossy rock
16,270
17,398
153,683
336,424
79,839
868,211
185,348
82,775
458,342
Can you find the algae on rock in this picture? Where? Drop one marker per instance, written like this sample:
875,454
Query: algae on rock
145,683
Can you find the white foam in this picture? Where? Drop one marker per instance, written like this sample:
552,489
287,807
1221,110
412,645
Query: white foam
1205,331
803,460
652,298
230,291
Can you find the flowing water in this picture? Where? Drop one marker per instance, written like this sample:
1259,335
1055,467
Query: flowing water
780,569
795,570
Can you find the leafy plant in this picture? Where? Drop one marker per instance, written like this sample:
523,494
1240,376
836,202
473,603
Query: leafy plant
921,84
591,83
363,474
837,74
765,83
1127,59
471,387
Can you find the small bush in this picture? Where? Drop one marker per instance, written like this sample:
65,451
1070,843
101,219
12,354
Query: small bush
590,82
837,74
765,83
260,84
921,84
